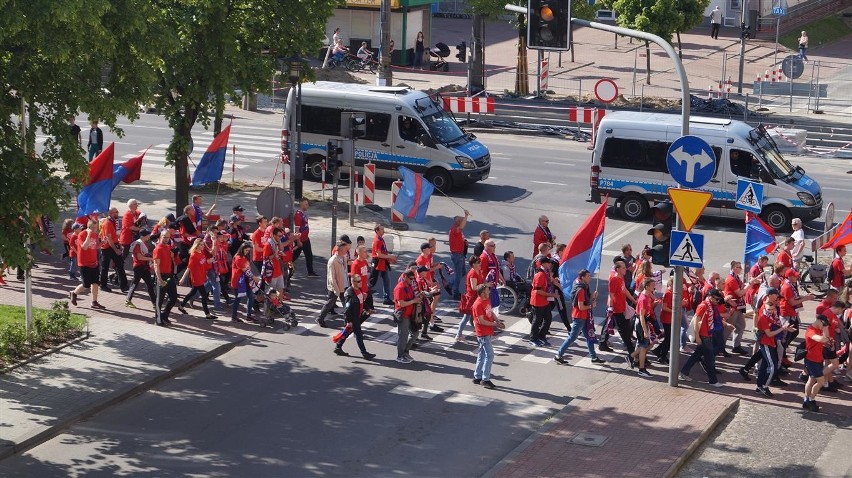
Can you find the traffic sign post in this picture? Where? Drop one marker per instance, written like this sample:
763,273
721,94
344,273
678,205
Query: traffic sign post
749,196
606,91
687,249
691,161
689,205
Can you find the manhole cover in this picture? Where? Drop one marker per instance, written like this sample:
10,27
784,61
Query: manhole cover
588,439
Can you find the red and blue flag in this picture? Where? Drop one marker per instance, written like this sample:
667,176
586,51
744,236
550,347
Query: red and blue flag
209,169
843,236
96,194
585,249
760,239
128,171
413,198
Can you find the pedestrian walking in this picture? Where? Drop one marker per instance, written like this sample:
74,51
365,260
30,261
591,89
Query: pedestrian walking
404,302
258,238
87,260
74,130
617,301
458,253
715,22
769,325
336,278
803,46
542,234
129,227
734,292
111,253
243,283
300,220
140,255
474,279
582,303
815,343
543,293
642,324
484,323
96,140
419,49
703,325
355,313
198,263
382,261
164,271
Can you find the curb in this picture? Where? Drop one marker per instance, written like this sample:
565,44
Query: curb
118,397
690,450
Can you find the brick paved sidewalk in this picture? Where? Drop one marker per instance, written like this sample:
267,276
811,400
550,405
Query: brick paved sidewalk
649,427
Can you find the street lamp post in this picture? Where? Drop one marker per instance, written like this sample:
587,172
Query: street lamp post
297,167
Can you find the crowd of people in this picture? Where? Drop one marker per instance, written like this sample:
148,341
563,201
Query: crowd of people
241,268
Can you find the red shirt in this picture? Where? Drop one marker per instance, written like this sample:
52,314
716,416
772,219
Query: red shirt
645,305
108,231
128,220
470,289
838,267
785,258
576,313
482,308
258,245
704,313
765,321
361,269
456,240
301,221
237,269
540,236
540,281
619,293
86,256
426,261
787,295
488,263
137,249
814,348
379,247
666,315
163,253
197,268
732,285
72,244
404,292
269,253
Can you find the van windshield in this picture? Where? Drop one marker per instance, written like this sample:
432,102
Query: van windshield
769,153
443,127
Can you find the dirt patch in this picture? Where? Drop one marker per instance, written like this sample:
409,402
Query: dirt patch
339,75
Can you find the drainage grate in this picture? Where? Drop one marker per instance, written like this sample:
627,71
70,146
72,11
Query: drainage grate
588,439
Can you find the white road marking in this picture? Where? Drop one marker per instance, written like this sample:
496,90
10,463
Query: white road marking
549,183
466,399
520,409
556,163
415,391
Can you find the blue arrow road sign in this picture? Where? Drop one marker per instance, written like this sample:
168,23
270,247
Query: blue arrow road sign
691,161
749,196
686,249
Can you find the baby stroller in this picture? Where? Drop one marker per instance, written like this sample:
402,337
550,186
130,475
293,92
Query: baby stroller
274,306
440,53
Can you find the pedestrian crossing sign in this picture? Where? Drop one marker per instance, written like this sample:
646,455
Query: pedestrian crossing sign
749,196
686,249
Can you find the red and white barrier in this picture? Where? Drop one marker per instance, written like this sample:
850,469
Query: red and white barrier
583,115
728,88
766,76
369,183
545,72
710,92
781,74
396,216
468,104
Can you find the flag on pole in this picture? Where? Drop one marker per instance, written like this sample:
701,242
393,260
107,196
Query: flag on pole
209,169
414,195
128,171
96,194
760,239
843,236
585,249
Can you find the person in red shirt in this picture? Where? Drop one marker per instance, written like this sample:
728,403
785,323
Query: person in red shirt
404,300
642,324
257,242
72,250
140,253
839,271
129,228
164,272
785,256
542,234
242,282
382,260
300,221
356,311
272,256
197,266
815,341
666,309
735,292
361,267
474,279
703,325
758,272
542,293
791,302
582,302
617,301
87,260
111,252
769,325
484,323
458,251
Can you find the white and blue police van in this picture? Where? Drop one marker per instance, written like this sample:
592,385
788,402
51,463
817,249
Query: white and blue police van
629,164
404,127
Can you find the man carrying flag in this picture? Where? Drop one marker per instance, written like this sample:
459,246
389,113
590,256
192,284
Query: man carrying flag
96,194
413,199
209,169
838,270
760,239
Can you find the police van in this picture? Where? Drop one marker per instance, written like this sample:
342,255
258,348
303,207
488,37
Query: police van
629,164
404,127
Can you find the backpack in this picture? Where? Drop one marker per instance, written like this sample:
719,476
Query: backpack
831,272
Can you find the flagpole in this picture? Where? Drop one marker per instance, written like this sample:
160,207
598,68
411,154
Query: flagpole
451,199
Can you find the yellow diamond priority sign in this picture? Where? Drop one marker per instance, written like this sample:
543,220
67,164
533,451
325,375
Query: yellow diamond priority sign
689,205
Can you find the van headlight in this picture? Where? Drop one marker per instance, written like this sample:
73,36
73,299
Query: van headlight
807,198
466,162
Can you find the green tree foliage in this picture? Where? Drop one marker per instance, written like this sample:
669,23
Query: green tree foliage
217,47
61,58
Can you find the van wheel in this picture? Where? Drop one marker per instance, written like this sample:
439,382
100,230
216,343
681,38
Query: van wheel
314,170
778,217
440,179
633,207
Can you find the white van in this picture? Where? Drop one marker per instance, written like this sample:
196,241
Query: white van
629,164
405,127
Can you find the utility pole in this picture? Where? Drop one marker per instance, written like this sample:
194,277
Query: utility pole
476,76
385,73
744,34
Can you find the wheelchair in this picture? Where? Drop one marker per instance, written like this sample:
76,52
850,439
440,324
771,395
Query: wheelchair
514,296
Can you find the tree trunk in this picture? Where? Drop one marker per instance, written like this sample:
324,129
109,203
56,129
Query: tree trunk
179,150
679,47
648,62
522,83
220,113
476,80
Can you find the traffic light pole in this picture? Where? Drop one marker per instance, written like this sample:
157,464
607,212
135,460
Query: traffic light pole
677,311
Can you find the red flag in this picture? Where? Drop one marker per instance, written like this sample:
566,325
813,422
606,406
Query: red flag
843,236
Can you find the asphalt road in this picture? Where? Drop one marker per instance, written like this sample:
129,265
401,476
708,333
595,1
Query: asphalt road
284,405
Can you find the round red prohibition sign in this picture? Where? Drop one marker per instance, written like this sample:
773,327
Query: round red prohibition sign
606,91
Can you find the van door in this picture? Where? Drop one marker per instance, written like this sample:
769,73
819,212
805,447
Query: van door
741,164
407,150
717,186
375,145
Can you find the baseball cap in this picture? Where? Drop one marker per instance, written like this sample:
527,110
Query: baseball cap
715,294
424,246
823,319
77,225
345,238
772,291
238,208
170,217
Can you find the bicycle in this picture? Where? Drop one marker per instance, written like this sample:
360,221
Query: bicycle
348,61
813,276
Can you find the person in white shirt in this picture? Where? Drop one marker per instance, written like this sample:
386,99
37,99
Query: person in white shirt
799,235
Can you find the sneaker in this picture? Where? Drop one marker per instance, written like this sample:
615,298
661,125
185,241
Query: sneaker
436,328
97,305
320,322
409,358
778,382
73,299
604,347
487,384
477,381
129,304
340,352
106,289
725,354
210,317
461,339
739,350
632,361
387,302
403,360
598,360
251,319
182,310
744,374
538,343
812,406
559,359
828,388
716,385
643,373
684,377
545,343
437,320
764,391
237,320
425,336
368,355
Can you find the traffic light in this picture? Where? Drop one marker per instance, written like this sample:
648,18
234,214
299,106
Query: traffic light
332,157
745,34
549,24
358,123
462,54
661,232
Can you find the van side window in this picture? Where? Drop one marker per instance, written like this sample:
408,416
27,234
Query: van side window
635,154
377,126
741,163
321,120
717,151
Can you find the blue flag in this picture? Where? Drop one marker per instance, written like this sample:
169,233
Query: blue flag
413,199
209,169
760,239
585,249
96,194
